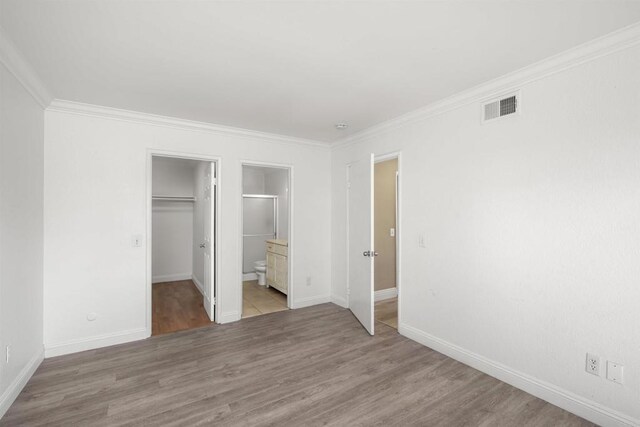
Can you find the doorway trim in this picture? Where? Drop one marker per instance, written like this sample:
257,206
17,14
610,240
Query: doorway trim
151,153
290,252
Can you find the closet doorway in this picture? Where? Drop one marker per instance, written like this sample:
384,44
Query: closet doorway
183,230
265,286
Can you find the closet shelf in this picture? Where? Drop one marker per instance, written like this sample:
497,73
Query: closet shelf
174,198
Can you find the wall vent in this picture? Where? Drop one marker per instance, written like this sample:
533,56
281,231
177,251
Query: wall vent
503,106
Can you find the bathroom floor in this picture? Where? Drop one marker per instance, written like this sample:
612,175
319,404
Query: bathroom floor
387,312
257,300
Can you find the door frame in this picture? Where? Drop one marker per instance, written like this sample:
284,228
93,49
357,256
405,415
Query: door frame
151,153
399,228
290,251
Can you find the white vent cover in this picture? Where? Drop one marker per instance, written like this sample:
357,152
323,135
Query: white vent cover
501,107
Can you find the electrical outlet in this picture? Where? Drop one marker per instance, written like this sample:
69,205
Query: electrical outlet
593,364
308,280
421,243
615,372
8,353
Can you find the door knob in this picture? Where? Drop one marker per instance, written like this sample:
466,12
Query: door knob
203,245
370,253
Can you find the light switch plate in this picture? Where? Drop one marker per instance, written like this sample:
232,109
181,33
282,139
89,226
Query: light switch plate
136,240
615,372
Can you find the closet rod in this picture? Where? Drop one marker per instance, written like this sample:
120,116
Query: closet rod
174,198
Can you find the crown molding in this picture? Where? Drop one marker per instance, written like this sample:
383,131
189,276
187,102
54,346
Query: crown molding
17,65
172,122
613,42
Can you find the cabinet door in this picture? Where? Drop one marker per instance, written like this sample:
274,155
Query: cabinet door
271,267
281,272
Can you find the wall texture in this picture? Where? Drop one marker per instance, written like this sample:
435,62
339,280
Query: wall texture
531,230
21,235
384,200
253,180
173,228
98,201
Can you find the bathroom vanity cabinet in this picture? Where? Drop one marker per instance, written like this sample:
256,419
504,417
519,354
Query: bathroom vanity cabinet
278,265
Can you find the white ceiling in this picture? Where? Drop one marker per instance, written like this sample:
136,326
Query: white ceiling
294,68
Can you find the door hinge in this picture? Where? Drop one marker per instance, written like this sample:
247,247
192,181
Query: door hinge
214,181
213,301
348,184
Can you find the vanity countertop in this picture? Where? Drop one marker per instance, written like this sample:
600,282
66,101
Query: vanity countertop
280,242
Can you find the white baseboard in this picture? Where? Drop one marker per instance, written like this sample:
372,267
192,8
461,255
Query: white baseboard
564,399
171,277
231,316
249,276
11,393
384,294
338,300
90,343
198,285
309,301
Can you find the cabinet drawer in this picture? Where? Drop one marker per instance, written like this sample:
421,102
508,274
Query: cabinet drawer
277,249
281,250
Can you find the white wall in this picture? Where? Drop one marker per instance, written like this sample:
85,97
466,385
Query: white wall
173,177
95,200
21,235
253,180
173,228
532,228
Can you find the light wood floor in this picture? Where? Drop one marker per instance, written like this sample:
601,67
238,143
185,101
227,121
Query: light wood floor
310,367
177,306
387,312
257,300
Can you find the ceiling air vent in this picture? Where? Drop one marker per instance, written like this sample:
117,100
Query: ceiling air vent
501,107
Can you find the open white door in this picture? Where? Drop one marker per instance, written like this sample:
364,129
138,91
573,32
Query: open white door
361,251
209,250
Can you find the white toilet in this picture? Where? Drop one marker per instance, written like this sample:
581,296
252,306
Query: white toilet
261,271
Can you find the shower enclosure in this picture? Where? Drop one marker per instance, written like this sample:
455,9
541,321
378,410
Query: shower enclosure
259,223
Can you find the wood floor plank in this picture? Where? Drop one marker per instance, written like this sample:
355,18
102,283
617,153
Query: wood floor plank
312,366
177,306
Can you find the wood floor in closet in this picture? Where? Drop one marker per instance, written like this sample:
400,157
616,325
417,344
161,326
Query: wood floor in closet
177,306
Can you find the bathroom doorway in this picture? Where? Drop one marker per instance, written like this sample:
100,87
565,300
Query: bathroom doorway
182,250
386,179
265,283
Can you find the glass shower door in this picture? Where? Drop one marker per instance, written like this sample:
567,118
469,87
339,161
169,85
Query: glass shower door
259,223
